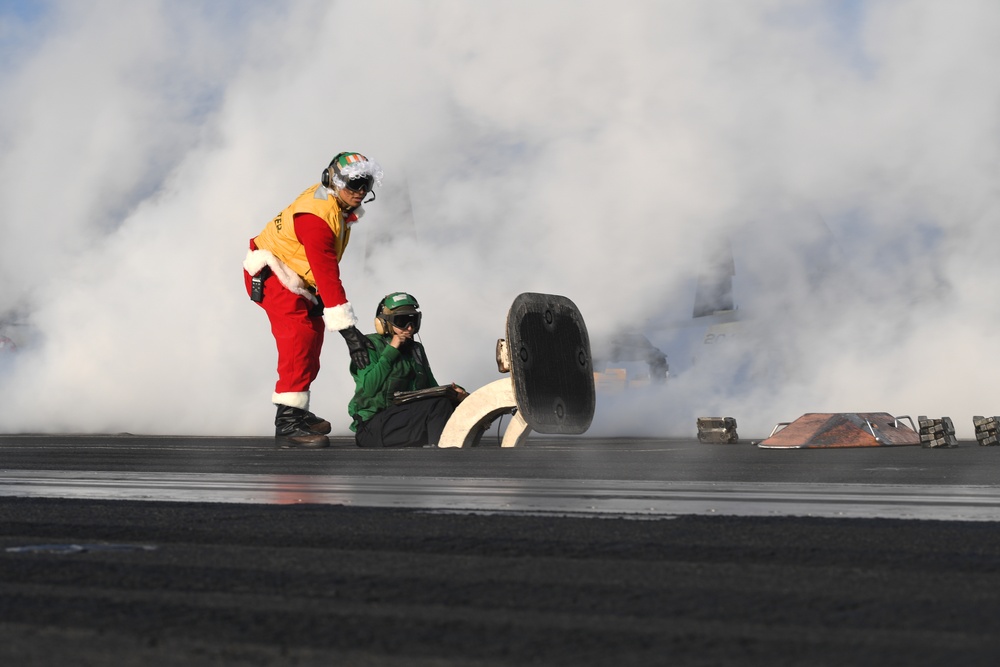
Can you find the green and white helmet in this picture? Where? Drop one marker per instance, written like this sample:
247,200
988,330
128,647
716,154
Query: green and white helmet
399,309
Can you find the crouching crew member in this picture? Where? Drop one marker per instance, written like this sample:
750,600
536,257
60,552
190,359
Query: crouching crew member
398,363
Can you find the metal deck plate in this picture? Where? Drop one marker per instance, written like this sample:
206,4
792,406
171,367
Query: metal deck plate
843,429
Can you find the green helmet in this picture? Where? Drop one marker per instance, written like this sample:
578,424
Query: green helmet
399,309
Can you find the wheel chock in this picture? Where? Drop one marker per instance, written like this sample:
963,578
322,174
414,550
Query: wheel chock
717,430
936,433
987,430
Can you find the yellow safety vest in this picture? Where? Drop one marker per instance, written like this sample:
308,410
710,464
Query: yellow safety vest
279,234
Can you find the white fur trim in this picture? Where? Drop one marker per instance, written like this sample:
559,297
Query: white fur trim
258,259
357,169
293,399
339,317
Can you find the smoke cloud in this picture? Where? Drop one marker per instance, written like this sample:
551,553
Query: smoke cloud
848,151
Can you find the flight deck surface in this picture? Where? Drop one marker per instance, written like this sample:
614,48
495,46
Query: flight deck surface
569,550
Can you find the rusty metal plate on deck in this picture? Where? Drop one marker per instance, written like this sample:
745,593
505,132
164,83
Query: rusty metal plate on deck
842,429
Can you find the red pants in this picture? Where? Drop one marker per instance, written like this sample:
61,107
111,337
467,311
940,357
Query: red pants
299,336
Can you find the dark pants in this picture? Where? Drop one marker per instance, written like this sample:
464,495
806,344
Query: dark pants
410,425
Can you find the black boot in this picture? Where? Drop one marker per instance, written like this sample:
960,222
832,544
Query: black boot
317,424
292,431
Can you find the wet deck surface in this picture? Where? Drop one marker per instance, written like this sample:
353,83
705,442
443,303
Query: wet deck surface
174,550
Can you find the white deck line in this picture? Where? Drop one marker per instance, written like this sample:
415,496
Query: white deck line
550,496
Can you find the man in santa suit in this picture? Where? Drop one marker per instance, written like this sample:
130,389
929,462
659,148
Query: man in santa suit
292,271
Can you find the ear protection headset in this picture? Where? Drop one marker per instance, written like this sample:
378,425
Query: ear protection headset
382,325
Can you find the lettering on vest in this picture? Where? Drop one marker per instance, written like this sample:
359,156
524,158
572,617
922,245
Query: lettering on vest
277,222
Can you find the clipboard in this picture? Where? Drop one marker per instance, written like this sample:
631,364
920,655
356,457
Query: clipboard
403,397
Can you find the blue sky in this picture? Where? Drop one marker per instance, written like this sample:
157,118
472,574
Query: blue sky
23,9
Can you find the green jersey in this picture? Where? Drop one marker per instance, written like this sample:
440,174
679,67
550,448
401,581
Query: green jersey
390,370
